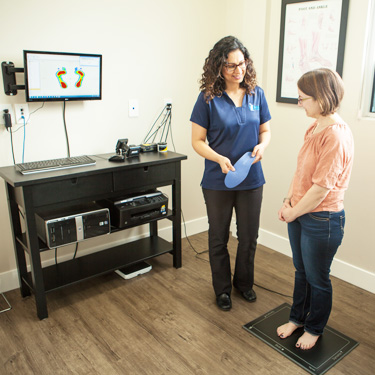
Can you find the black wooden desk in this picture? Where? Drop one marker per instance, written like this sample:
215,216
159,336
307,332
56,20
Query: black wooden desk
35,193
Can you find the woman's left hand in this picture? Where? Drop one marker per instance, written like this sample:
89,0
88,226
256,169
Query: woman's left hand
288,214
264,140
258,152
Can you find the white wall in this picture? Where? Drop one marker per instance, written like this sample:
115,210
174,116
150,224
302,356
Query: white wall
154,50
151,50
355,260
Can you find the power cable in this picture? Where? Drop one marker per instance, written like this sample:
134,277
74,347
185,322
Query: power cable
11,143
188,240
24,129
206,251
66,131
24,138
75,251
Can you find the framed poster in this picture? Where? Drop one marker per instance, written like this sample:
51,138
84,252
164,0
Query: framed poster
312,35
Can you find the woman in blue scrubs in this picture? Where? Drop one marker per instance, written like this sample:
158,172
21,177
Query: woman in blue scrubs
230,118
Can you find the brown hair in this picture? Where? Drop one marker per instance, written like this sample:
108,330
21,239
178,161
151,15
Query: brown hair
325,86
212,81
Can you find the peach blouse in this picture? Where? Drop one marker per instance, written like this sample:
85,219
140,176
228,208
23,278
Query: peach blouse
325,159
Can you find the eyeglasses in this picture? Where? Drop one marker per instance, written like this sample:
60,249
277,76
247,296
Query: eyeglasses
300,100
232,67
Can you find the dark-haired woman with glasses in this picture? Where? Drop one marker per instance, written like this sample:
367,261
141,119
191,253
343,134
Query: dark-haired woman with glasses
314,205
230,118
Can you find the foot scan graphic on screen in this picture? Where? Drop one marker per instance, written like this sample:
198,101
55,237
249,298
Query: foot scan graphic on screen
59,74
81,75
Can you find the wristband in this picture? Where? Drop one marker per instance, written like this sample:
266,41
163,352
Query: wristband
286,199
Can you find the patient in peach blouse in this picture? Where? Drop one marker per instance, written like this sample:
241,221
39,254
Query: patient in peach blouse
314,205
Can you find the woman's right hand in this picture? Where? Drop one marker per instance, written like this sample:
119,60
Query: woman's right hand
198,140
280,213
225,165
285,205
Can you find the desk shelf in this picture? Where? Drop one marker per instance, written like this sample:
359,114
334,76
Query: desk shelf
22,240
101,262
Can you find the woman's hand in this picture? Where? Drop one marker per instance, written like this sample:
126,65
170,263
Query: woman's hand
198,140
288,214
312,198
225,165
264,140
286,204
258,152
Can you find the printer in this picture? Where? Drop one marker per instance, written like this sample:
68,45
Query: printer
136,209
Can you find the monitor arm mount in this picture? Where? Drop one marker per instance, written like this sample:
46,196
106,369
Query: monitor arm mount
9,78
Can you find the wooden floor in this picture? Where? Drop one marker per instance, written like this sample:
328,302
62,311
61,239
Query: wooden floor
167,322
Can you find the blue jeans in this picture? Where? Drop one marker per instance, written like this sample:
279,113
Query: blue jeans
314,238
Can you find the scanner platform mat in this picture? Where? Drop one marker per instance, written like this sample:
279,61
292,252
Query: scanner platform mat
330,348
242,168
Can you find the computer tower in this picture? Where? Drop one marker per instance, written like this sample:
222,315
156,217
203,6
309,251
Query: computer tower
63,227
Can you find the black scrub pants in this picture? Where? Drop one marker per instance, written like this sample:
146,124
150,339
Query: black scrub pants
220,204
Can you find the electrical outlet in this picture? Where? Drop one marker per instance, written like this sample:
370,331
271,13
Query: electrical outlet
21,110
133,108
10,109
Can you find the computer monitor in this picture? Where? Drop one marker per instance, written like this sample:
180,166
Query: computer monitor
61,76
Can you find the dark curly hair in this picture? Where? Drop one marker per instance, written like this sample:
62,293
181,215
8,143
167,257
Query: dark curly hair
212,81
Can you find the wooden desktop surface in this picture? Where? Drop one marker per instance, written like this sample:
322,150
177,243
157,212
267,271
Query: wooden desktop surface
15,178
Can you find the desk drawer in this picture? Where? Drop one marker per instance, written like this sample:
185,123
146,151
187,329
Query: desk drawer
73,188
148,175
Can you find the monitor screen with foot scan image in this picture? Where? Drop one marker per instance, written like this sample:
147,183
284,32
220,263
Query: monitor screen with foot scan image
62,76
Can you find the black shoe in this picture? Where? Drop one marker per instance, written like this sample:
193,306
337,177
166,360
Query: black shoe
224,302
249,295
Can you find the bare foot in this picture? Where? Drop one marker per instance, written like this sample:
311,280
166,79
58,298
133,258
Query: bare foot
286,329
306,341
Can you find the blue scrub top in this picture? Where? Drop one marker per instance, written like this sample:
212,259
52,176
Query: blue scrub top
231,131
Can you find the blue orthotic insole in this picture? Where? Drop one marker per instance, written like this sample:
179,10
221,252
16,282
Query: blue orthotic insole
242,168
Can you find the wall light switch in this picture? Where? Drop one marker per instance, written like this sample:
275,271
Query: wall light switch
133,108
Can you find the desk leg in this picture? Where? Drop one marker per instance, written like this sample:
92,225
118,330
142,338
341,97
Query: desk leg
41,303
18,249
35,260
176,206
38,282
153,229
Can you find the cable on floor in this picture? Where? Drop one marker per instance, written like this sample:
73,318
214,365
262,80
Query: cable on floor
206,251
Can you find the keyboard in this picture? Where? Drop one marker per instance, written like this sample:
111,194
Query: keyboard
54,164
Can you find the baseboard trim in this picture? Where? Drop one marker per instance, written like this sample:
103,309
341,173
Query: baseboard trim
9,281
340,269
